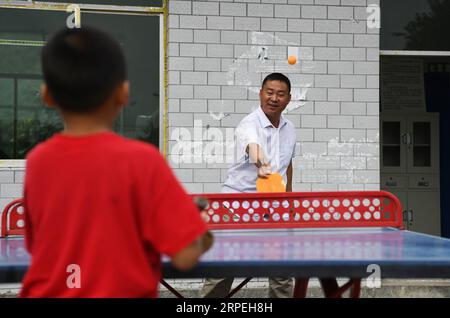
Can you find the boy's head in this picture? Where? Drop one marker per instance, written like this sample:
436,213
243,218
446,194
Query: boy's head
82,68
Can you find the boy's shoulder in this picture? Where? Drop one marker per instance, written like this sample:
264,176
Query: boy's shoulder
139,148
105,142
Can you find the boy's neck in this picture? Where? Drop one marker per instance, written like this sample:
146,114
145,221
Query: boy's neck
83,131
84,124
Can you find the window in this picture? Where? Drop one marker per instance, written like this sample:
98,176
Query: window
25,121
141,3
415,25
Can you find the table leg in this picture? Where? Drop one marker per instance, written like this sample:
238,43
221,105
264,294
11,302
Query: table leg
300,288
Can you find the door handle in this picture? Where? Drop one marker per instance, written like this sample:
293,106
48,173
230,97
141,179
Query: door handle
391,183
423,184
410,217
405,217
406,139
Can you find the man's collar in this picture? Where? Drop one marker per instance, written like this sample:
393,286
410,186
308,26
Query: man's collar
265,122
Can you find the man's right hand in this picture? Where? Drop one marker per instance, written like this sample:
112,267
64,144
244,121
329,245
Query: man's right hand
264,171
258,157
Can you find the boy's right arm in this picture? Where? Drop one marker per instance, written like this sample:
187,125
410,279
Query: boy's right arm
170,220
188,257
28,228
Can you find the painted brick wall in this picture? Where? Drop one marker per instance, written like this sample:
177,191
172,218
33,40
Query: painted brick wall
215,75
214,78
11,185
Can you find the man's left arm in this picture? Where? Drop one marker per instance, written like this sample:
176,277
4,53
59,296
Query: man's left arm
289,178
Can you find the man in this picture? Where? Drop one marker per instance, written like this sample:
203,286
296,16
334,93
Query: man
265,144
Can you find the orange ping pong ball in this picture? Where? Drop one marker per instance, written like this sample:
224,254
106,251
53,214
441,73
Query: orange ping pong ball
292,59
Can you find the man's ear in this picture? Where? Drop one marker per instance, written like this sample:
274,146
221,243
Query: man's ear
123,94
47,98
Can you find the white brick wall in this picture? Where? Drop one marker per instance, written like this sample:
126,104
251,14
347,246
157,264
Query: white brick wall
11,185
213,68
6,176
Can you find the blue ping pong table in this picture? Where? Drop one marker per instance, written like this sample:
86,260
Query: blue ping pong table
324,235
299,253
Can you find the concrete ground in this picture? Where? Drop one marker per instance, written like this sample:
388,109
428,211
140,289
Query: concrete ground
389,289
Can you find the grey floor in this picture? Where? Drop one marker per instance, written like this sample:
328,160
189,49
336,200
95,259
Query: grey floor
389,289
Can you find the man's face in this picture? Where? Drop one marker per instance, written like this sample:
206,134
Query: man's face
274,97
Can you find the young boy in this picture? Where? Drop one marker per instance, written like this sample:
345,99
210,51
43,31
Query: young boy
100,209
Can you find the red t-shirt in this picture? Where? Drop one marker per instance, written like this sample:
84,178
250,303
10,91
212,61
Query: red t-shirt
100,210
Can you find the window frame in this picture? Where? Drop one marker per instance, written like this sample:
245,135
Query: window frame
162,12
413,53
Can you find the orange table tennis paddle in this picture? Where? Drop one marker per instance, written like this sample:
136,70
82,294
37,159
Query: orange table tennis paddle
273,183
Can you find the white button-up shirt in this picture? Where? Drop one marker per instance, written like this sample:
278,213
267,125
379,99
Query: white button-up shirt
278,145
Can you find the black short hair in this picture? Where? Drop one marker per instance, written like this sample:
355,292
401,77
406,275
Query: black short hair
82,67
277,77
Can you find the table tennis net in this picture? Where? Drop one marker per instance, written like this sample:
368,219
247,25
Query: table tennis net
303,209
274,210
